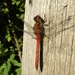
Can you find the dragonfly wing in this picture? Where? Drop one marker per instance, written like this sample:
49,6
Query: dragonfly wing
30,33
64,21
30,28
59,26
58,32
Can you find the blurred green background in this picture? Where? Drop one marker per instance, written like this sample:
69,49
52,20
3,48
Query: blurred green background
11,38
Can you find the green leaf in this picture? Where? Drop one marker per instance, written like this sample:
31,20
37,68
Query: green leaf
8,37
6,50
1,45
16,63
5,70
21,10
12,74
13,2
8,66
17,3
12,57
5,10
22,16
18,71
2,67
17,15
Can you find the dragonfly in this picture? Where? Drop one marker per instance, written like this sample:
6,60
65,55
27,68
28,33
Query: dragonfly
38,29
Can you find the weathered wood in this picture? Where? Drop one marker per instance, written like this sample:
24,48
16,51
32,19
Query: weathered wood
59,50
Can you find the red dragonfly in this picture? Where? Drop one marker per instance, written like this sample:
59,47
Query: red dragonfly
37,30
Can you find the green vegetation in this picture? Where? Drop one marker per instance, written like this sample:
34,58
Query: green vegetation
11,20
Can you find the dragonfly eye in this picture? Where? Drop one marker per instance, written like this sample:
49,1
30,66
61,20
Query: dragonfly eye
37,17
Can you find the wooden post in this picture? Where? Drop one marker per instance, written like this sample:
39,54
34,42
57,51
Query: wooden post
58,55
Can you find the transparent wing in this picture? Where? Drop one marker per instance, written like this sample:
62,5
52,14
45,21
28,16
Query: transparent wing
60,27
61,23
30,33
30,28
64,29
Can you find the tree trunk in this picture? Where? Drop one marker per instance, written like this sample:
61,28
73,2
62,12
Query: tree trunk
57,57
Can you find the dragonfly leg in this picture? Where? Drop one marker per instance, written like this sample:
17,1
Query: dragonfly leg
45,19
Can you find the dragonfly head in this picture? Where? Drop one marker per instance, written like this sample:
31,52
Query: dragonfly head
37,18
